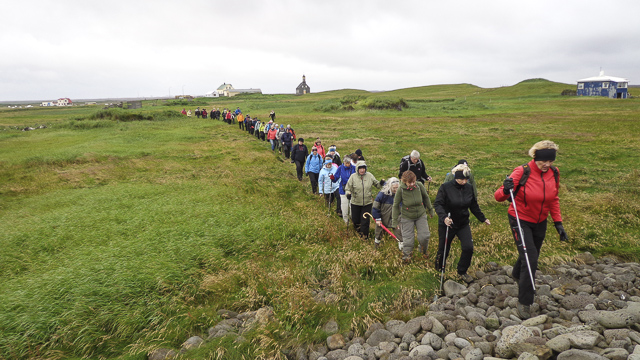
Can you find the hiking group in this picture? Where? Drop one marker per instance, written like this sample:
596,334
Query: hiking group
402,205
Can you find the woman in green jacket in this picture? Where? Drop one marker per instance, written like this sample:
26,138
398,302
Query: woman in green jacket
411,201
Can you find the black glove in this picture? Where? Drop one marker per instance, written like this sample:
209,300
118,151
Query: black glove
382,182
507,186
349,197
561,232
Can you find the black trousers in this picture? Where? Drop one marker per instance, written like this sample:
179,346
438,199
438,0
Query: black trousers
287,151
360,224
466,243
533,238
313,178
299,165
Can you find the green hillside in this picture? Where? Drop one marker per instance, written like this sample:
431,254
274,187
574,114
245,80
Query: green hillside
127,230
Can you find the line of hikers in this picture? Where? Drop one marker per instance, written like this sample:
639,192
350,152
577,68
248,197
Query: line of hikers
402,205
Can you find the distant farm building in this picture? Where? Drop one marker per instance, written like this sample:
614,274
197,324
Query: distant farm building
48,103
234,92
212,94
602,85
182,97
223,90
303,88
64,102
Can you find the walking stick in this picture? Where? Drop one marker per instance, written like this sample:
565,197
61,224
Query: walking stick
524,246
382,226
444,257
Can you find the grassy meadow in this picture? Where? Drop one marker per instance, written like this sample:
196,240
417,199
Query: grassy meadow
126,230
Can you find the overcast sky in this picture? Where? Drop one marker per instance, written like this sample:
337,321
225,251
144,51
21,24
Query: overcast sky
99,49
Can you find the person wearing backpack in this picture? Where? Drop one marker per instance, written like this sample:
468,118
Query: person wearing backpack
413,163
383,210
472,181
535,187
411,203
326,186
342,177
312,167
454,201
299,155
358,190
287,140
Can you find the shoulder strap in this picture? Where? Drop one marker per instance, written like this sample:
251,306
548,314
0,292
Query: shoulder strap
526,171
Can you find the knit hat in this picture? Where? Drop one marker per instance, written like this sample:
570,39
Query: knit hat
301,139
332,149
314,148
463,161
359,152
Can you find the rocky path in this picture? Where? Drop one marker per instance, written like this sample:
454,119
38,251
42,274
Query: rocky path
586,309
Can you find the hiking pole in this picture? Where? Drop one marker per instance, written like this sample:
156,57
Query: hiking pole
382,226
328,205
524,246
444,257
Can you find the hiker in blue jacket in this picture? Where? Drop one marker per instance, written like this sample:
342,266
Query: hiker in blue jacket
312,167
327,187
341,177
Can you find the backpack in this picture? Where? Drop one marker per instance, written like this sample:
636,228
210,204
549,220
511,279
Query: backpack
525,176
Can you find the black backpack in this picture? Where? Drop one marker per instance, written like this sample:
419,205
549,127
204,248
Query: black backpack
525,176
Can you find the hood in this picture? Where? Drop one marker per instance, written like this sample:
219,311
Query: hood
360,164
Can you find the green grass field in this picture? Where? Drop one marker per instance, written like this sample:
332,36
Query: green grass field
119,235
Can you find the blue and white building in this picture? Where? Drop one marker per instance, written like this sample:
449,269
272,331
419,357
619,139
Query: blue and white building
603,85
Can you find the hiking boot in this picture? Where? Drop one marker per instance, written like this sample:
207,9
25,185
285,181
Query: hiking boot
377,243
406,259
466,278
524,311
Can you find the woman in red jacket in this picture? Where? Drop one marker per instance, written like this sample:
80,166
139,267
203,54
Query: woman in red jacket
536,195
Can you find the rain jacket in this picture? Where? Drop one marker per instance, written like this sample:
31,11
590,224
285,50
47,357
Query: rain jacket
458,200
359,186
325,185
537,198
411,203
383,208
342,176
313,164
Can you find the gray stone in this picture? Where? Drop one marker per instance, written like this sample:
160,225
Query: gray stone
461,343
615,354
336,341
585,258
379,336
572,302
356,349
511,335
421,350
527,356
432,340
426,324
575,354
372,328
331,327
452,288
437,327
617,319
408,338
192,343
337,355
534,321
474,354
542,352
162,354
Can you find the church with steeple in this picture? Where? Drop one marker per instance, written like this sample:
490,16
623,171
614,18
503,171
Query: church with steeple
303,88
